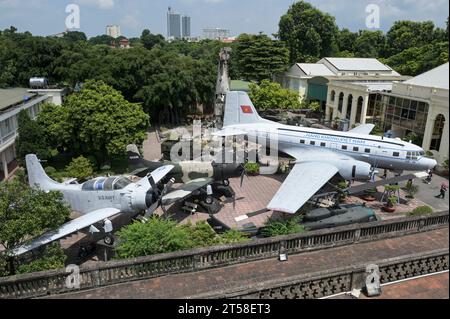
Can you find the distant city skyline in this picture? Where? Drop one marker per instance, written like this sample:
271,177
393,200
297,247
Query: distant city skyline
47,17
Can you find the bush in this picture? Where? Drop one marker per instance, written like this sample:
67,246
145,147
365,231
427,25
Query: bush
80,168
232,237
411,189
252,168
50,170
52,258
421,211
281,228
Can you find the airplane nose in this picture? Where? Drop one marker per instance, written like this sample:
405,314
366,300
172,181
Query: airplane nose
429,163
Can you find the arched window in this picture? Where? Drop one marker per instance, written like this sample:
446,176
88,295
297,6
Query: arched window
438,131
359,109
349,107
341,102
333,96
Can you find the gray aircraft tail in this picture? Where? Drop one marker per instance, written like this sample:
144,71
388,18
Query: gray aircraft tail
36,174
239,109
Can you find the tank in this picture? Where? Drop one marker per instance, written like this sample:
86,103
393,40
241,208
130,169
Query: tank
340,217
37,83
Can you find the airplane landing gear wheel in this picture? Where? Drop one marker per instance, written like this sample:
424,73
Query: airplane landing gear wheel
209,200
226,182
109,240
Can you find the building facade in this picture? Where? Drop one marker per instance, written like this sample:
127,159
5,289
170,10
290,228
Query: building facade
12,102
113,31
416,109
186,27
216,34
173,25
312,80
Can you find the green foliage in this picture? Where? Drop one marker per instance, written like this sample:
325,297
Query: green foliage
97,120
392,201
421,211
270,95
392,188
31,138
404,35
445,165
275,228
259,57
80,168
252,168
158,236
414,138
309,33
370,44
150,40
52,258
314,106
411,189
26,213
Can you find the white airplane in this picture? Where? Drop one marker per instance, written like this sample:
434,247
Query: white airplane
98,200
321,154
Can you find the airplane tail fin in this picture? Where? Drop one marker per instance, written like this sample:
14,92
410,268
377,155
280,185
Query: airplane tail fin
134,156
36,174
239,109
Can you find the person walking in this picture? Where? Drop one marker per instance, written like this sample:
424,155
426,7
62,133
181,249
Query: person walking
430,177
444,188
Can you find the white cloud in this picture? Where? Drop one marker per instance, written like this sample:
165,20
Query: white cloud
101,4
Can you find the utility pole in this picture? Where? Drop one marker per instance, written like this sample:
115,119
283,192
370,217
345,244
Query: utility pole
222,86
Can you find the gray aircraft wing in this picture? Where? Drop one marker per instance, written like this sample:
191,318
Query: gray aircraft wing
186,190
67,229
303,182
363,129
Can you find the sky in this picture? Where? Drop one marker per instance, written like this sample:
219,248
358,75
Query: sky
47,17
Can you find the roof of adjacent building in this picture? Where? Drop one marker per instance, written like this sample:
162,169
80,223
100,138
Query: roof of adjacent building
10,97
358,64
436,78
315,69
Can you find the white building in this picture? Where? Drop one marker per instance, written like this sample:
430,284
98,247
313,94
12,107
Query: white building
113,31
312,80
12,101
416,108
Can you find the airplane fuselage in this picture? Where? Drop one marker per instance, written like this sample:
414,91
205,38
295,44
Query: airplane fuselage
379,152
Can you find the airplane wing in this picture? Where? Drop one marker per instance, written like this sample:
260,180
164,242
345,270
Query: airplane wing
186,190
302,183
140,172
67,229
363,129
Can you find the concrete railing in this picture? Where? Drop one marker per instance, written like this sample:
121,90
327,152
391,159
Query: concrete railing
339,280
114,272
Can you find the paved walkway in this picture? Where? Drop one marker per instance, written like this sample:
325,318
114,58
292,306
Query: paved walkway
237,276
428,287
152,147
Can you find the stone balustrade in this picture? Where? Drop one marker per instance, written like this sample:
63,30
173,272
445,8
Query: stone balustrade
114,272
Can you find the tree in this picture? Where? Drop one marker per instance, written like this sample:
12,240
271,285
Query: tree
309,33
53,257
149,40
101,40
370,44
75,36
271,95
31,138
259,57
404,35
80,168
98,121
346,40
26,213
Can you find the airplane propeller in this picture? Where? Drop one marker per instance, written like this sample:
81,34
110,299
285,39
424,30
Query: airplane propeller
243,174
158,195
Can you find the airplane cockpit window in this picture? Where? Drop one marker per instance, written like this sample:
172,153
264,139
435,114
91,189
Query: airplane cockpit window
109,184
121,183
89,185
100,184
413,155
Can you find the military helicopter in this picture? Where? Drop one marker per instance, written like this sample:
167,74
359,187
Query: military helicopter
97,200
205,181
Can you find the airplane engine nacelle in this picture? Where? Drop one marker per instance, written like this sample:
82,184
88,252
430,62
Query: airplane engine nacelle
141,200
354,170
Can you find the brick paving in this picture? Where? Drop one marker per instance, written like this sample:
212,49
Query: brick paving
238,276
429,287
152,147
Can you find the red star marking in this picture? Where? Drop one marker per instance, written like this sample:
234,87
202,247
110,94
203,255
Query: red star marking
246,109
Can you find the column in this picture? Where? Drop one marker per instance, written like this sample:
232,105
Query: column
354,110
365,109
344,106
428,134
5,165
443,152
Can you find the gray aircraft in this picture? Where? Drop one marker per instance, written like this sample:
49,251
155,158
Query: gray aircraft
196,177
97,200
321,154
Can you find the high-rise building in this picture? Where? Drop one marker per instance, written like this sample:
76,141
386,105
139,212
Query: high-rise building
173,25
216,33
113,31
185,27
